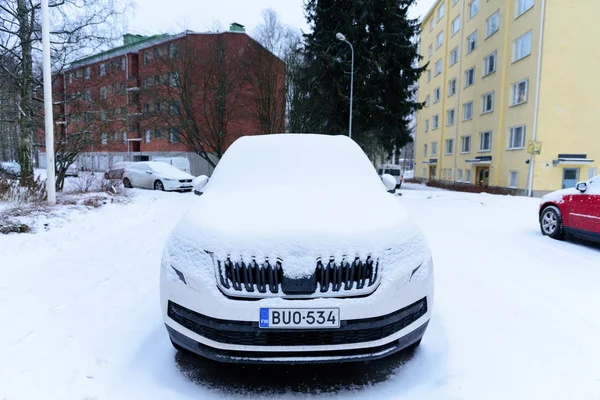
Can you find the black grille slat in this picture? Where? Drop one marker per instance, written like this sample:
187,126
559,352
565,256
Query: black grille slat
248,333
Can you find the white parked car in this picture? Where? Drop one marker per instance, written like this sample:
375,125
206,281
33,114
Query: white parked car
304,226
157,176
72,170
395,171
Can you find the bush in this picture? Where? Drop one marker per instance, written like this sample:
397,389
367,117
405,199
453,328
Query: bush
465,187
11,191
86,183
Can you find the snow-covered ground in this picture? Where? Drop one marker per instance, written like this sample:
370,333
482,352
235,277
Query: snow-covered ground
515,313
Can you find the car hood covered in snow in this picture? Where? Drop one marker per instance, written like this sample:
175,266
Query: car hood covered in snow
310,196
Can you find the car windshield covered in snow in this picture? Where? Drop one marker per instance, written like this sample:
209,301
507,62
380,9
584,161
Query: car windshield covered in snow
294,161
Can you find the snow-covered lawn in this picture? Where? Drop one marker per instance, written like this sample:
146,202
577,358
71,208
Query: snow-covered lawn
515,313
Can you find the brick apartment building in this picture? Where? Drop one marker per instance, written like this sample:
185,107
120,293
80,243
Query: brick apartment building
168,95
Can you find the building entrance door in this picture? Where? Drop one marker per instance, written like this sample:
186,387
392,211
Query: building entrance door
483,176
432,172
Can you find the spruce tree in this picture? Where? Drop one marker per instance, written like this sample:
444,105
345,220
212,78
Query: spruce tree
385,70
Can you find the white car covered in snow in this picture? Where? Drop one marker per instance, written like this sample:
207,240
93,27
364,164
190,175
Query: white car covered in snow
295,252
156,175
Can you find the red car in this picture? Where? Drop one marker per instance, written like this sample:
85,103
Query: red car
574,212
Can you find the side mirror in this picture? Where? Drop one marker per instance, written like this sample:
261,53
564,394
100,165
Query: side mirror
198,184
389,182
581,186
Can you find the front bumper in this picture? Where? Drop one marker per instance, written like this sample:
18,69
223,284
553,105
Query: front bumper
203,320
176,185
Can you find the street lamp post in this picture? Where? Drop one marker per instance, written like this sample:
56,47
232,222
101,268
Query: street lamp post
49,128
341,37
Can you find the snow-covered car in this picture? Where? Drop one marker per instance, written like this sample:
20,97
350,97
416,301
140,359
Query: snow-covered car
157,176
574,212
10,169
393,170
116,170
295,252
72,170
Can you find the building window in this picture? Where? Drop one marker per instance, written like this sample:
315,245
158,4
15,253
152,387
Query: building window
519,92
102,69
174,79
513,179
467,175
454,2
173,50
147,109
523,5
123,63
174,108
465,144
473,8
427,101
430,50
485,141
459,175
115,136
174,136
426,125
469,77
425,149
454,56
103,93
435,123
452,87
431,24
450,117
436,95
522,47
591,172
104,139
468,111
124,137
157,107
444,173
489,64
439,40
86,73
424,171
487,101
434,148
449,146
516,137
147,136
441,11
102,115
455,25
438,67
123,112
147,57
471,42
157,134
70,77
428,75
87,95
492,24
450,173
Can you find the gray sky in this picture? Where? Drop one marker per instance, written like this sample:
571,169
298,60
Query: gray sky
158,16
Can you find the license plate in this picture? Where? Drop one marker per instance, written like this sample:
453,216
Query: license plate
299,318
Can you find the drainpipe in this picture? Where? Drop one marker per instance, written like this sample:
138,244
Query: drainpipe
537,99
458,89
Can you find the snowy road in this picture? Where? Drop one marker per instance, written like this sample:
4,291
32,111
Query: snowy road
515,314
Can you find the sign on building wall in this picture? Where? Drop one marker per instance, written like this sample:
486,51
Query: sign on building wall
534,147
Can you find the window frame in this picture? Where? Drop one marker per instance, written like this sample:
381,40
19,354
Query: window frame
511,132
434,147
147,136
437,98
524,10
530,35
467,84
450,121
481,149
453,51
459,175
452,26
484,102
425,149
464,107
449,141
496,14
471,36
485,63
438,42
462,144
470,7
467,175
435,122
514,90
510,179
441,11
102,69
452,84
427,125
439,67
430,50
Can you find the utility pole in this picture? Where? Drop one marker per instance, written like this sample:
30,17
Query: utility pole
48,118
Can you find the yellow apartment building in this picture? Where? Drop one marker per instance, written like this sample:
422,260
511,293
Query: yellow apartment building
506,80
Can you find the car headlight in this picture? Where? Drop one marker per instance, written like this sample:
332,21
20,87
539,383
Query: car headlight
423,271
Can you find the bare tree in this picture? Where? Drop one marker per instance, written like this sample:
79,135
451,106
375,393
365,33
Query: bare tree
201,86
77,26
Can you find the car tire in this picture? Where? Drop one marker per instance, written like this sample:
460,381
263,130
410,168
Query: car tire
158,185
105,176
551,223
127,183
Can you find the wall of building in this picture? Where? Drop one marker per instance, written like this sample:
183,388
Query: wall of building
569,109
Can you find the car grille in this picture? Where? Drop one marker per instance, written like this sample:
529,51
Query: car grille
185,180
331,279
248,333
